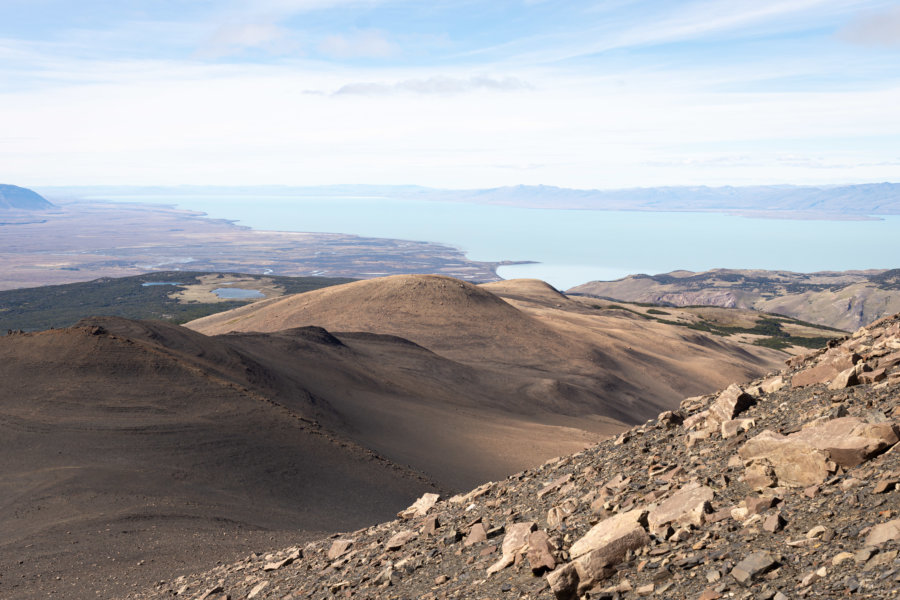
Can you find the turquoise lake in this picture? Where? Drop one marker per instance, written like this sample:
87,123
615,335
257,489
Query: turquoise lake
572,246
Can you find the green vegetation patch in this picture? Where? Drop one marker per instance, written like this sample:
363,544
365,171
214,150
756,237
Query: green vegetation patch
768,326
618,307
34,309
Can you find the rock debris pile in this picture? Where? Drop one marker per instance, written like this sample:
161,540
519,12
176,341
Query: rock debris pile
786,488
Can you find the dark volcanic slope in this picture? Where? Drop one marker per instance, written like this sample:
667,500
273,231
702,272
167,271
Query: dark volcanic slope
135,440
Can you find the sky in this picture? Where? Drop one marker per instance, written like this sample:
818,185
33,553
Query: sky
449,93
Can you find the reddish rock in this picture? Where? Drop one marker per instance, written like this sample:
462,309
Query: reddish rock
541,553
774,523
554,485
398,540
430,525
850,441
885,532
564,582
420,507
729,404
885,485
516,539
844,379
685,507
888,362
809,456
758,504
615,535
735,426
827,369
870,377
749,569
339,548
476,535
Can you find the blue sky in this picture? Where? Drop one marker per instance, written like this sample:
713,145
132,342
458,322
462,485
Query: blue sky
449,93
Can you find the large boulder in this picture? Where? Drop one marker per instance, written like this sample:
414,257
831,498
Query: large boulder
615,535
729,404
809,456
884,532
829,366
850,441
515,541
685,507
420,507
596,554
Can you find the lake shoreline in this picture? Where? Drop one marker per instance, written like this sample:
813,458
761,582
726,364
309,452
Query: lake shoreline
566,247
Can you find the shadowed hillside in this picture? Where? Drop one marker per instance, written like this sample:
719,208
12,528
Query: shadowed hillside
152,442
784,488
567,347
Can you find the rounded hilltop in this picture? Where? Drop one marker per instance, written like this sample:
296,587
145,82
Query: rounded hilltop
395,305
534,289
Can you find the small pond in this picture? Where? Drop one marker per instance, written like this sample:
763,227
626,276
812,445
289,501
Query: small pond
152,283
237,294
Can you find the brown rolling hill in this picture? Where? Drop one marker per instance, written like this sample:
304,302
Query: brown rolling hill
566,356
788,487
128,449
137,450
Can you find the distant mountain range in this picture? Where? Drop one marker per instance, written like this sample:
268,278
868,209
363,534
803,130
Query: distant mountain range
786,201
797,201
13,197
847,300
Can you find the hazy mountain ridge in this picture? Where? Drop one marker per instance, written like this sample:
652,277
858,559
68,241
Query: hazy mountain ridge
13,197
772,201
811,201
842,299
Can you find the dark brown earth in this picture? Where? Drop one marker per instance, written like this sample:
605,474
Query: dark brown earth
125,444
679,507
139,451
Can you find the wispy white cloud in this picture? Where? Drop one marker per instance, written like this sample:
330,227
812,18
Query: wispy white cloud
438,85
278,10
673,22
234,39
874,29
358,44
307,107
